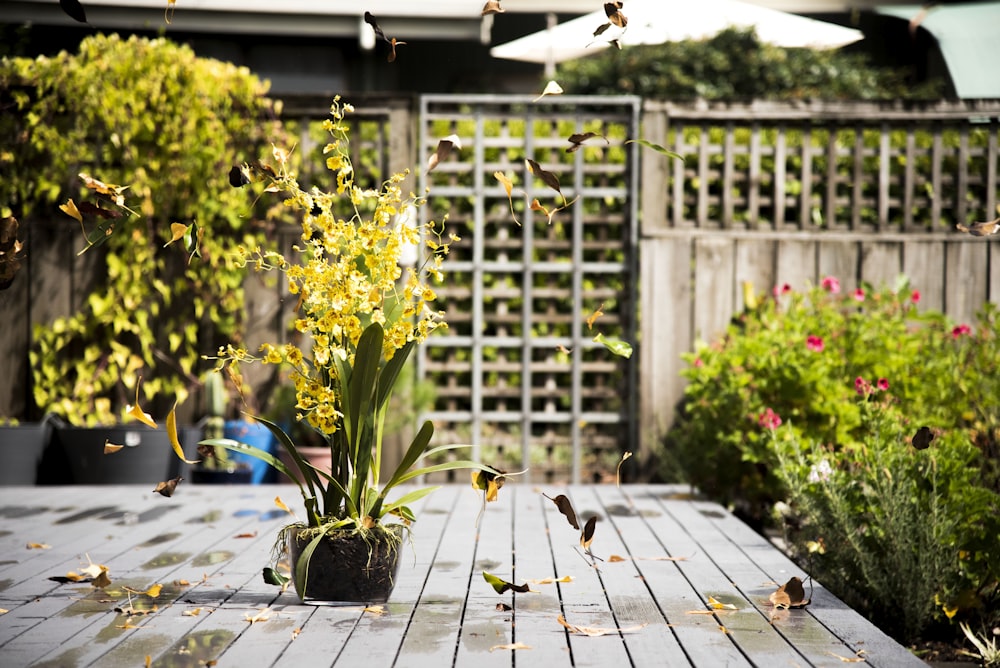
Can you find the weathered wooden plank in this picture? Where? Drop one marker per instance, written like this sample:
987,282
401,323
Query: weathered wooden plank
884,161
701,215
994,283
838,259
923,263
728,187
655,170
795,264
665,333
713,286
754,265
968,276
909,178
535,614
806,180
780,183
881,262
754,177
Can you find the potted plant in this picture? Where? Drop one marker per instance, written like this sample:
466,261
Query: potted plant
362,314
154,290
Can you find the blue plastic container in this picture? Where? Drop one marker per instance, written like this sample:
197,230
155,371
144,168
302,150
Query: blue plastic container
257,435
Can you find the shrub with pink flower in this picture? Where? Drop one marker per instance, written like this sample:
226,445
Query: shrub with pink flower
831,284
859,295
769,419
960,331
814,343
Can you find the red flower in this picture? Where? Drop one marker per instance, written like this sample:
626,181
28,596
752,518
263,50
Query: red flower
831,284
915,296
861,386
859,295
781,289
769,420
960,330
814,343
883,384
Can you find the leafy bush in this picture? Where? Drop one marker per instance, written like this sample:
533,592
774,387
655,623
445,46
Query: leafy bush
169,125
829,387
736,65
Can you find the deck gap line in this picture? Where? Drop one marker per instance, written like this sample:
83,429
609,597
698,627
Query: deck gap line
555,571
468,588
430,569
513,574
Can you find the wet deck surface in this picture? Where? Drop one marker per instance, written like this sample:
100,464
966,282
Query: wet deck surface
663,557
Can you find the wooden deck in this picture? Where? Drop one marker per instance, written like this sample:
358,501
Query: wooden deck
207,544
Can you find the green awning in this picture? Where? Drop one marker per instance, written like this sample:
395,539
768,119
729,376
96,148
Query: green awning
968,35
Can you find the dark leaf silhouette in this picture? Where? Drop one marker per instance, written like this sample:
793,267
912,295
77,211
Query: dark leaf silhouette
548,178
566,508
89,209
790,595
10,251
444,149
576,140
601,28
613,10
239,176
391,41
983,229
656,147
587,535
922,439
167,487
74,10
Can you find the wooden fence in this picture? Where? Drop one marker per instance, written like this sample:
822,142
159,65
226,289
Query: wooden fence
774,194
767,193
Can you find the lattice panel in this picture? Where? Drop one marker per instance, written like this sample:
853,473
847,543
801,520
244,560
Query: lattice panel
517,374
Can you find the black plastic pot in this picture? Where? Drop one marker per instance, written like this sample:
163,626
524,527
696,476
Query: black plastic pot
348,569
200,476
21,450
147,458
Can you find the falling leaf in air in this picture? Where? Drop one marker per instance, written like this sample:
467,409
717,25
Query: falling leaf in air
548,178
922,439
111,191
273,577
177,231
594,316
616,346
511,646
92,570
174,441
492,7
137,412
613,10
595,631
88,209
239,175
391,41
508,186
167,487
576,140
984,229
566,508
500,586
102,580
618,472
110,448
656,147
444,148
587,535
168,13
70,209
551,88
74,10
38,546
789,595
489,482
281,504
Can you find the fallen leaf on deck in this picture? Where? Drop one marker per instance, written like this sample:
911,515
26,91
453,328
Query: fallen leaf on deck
193,612
516,645
661,558
102,580
4,611
126,626
850,659
503,607
719,605
262,615
548,581
38,546
182,583
377,610
594,631
790,595
723,628
614,559
249,534
295,633
152,592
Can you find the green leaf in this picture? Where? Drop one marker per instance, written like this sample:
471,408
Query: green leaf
273,577
616,346
500,586
656,147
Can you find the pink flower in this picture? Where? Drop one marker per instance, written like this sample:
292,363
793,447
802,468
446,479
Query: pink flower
698,362
769,420
960,330
883,384
781,290
859,295
814,343
831,284
915,296
861,386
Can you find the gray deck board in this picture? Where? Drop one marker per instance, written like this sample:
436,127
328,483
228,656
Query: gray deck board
441,612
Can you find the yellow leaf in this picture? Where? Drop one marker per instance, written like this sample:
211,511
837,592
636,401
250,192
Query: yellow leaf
719,605
137,412
154,591
172,435
595,631
551,88
110,448
39,546
177,232
70,209
614,558
92,570
595,315
4,611
193,612
262,616
281,504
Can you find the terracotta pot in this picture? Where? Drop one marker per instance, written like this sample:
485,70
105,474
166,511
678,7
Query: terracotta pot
320,457
348,569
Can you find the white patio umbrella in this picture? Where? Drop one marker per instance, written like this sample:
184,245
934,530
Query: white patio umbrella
659,21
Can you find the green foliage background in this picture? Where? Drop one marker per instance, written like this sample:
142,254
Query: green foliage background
736,65
151,115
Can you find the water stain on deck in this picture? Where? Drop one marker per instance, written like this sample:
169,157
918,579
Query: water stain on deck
481,637
162,538
165,559
14,512
196,649
208,518
213,557
446,565
89,513
4,584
